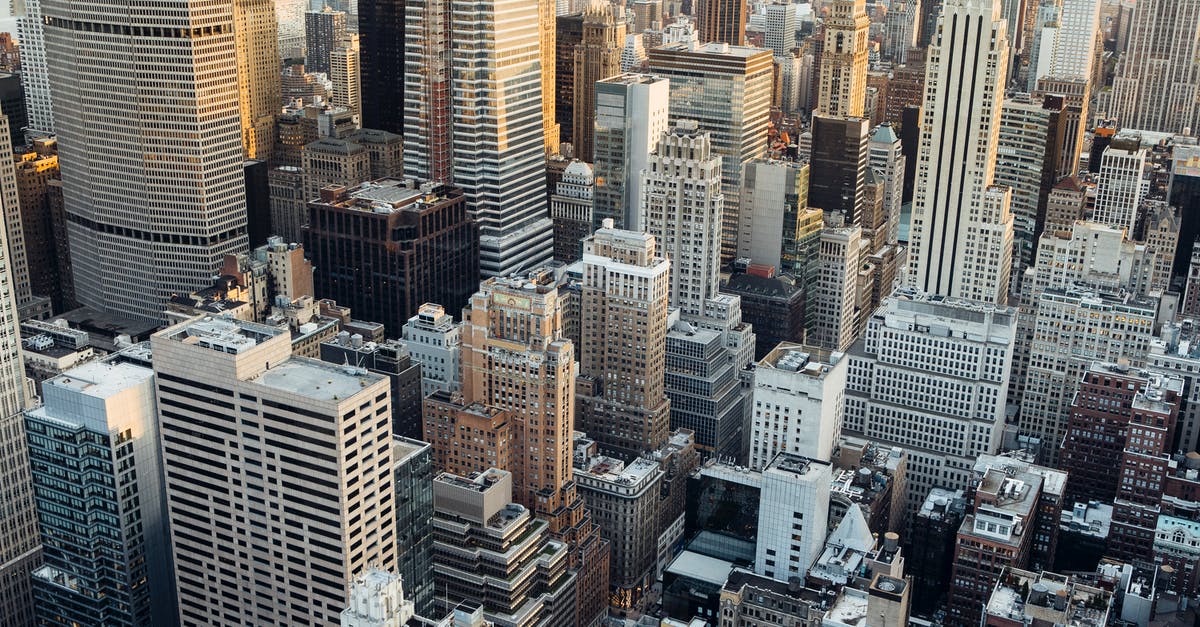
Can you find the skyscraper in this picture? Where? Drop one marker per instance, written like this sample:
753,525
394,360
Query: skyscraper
727,90
961,234
1157,85
843,83
721,21
178,206
775,198
35,75
428,152
1119,188
497,84
547,37
810,385
901,28
232,480
256,33
345,72
839,165
571,211
631,114
597,57
382,24
322,31
781,28
623,346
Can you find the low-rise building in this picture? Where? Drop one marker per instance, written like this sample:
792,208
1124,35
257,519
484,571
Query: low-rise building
1023,597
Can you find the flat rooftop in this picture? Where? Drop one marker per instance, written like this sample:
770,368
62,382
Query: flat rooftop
702,567
317,380
807,360
226,335
101,379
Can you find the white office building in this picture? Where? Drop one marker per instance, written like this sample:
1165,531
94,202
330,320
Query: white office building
435,341
772,192
1120,187
631,114
798,400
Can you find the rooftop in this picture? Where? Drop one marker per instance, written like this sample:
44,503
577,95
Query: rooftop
808,360
225,335
101,379
1048,599
702,567
317,380
1091,519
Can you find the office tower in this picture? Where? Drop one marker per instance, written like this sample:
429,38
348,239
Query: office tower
177,208
312,420
547,47
1157,82
1028,152
98,433
781,28
389,358
414,520
836,320
332,162
1076,95
435,341
622,405
721,21
568,34
256,182
707,396
631,115
467,436
323,30
345,74
647,15
12,105
961,229
773,304
491,552
1101,417
793,512
1044,41
518,322
686,225
798,403
377,600
428,150
256,34
839,165
901,29
1160,223
633,54
885,156
727,90
385,247
1065,204
775,196
844,60
794,75
289,209
1073,327
571,211
1119,185
10,201
36,167
902,354
597,57
1026,597
498,83
35,74
930,551
997,534
384,28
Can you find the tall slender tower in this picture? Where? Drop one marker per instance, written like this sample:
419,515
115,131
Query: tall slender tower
516,359
497,85
547,34
428,153
843,88
257,36
624,341
35,76
345,74
1157,87
173,135
962,226
20,550
598,57
382,26
721,21
322,31
631,113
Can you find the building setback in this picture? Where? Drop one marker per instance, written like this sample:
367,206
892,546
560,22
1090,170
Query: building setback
386,247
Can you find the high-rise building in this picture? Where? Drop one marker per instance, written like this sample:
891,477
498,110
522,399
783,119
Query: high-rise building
961,233
727,90
346,75
633,54
885,156
799,397
839,165
631,115
385,247
781,28
686,219
932,537
547,39
295,417
515,359
568,34
571,210
387,27
498,82
835,298
1076,95
900,31
413,464
98,433
49,267
434,341
721,21
626,281
391,359
1120,187
1157,84
774,304
333,162
647,15
428,150
490,552
323,30
178,206
917,342
35,73
1027,157
256,33
774,199
597,57
843,82
10,204
287,199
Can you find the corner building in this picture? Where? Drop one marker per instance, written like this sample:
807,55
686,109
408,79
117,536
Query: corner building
278,474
